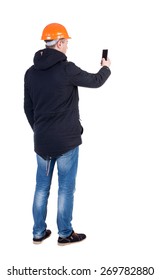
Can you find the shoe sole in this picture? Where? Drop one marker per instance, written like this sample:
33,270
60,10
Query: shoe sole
37,242
69,243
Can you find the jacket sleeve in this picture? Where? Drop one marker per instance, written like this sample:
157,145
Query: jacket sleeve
79,77
28,104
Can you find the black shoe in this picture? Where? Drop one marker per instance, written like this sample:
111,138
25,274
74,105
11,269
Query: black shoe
39,240
74,237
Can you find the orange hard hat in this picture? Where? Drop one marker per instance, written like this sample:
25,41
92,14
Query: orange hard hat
54,31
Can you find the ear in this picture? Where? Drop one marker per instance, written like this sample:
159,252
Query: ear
59,44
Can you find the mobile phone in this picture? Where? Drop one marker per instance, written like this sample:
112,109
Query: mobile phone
105,53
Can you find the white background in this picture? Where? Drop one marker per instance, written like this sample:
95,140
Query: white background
117,202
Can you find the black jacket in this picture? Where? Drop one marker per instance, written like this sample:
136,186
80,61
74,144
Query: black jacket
51,101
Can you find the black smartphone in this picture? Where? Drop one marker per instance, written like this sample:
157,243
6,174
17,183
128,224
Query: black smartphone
105,53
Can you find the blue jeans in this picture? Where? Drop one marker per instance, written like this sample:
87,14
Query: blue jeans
67,168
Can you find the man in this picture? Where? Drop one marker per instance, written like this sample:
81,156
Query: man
51,107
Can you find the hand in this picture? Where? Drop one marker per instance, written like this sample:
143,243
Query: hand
105,62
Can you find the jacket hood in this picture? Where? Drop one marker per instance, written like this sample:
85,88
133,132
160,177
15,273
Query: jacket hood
47,58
